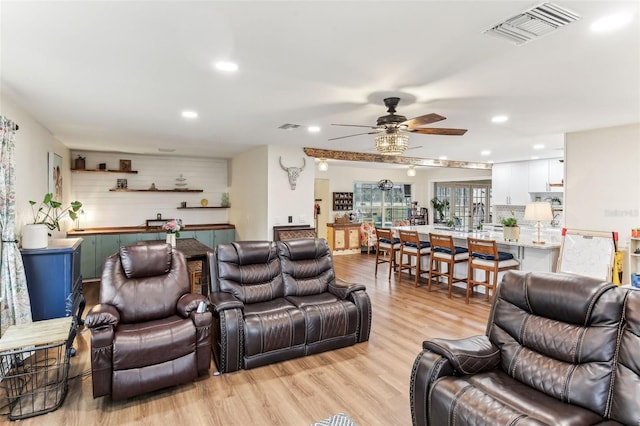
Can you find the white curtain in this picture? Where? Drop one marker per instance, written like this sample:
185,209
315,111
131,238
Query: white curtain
16,305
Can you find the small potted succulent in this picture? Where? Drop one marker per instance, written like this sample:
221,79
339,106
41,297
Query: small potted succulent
46,218
510,229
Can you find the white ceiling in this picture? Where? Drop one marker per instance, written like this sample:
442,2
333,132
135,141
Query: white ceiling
115,75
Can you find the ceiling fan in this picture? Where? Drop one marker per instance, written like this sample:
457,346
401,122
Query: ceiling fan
392,130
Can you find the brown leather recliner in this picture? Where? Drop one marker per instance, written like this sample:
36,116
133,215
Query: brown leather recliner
146,333
277,301
559,350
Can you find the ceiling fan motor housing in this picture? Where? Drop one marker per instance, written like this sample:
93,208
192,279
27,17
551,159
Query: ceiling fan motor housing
391,118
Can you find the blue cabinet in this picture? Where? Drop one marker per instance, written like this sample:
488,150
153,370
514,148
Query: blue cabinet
54,279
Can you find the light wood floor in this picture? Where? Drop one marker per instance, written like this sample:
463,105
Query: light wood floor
368,381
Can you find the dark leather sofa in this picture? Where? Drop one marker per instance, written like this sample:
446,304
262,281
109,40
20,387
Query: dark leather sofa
559,350
146,333
274,301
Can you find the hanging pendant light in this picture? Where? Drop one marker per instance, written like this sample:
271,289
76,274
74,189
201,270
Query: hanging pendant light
411,171
323,166
385,185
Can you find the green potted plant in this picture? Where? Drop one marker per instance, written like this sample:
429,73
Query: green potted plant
46,218
439,206
510,229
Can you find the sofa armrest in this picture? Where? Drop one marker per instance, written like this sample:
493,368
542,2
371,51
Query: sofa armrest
189,303
468,356
343,291
221,301
102,315
427,368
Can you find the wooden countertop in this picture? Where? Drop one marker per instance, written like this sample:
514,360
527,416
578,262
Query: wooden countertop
343,225
145,230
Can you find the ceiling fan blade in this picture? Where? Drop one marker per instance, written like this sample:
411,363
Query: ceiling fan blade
422,120
350,136
355,125
438,131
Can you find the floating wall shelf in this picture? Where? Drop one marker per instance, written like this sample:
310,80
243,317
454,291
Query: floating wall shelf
103,171
194,207
156,190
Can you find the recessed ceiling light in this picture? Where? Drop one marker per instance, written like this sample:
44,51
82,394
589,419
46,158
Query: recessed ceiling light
313,129
226,66
485,152
499,119
610,22
535,157
538,146
189,114
442,157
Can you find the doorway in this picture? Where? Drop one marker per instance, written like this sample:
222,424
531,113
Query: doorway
322,197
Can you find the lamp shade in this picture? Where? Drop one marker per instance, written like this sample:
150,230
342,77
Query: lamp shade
323,166
538,211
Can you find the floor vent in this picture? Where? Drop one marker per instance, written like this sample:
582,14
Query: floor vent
289,126
533,23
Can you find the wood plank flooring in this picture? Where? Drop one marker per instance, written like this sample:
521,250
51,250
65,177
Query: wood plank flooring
368,381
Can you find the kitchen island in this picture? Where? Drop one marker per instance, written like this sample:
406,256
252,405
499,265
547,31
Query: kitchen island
532,256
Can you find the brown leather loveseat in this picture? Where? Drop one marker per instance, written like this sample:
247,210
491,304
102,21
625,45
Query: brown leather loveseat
559,350
274,301
146,331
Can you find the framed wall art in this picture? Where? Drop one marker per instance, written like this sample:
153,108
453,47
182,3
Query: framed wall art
125,165
55,176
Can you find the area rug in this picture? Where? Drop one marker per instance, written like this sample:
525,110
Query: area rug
339,419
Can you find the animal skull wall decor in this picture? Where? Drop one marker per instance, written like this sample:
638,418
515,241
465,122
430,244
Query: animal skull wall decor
293,172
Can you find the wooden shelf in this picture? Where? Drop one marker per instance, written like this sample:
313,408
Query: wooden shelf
103,171
155,190
194,207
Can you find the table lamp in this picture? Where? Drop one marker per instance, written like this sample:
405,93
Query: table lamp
538,211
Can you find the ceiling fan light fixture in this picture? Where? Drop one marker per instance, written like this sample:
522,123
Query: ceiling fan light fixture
323,166
394,143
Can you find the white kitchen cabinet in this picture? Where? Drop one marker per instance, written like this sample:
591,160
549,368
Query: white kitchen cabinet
539,176
546,175
510,183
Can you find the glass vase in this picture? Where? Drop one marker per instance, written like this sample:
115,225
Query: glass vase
171,239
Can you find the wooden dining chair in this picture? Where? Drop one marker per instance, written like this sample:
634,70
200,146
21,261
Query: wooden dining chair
412,248
484,255
445,252
387,249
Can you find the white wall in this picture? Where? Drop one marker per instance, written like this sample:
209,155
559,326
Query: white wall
104,208
248,194
602,181
33,142
283,201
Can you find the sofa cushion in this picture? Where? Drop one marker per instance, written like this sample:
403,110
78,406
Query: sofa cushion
494,398
140,345
315,299
274,305
330,320
557,333
145,260
273,330
250,270
307,266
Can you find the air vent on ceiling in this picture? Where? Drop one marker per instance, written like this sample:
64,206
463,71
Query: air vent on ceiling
533,23
289,126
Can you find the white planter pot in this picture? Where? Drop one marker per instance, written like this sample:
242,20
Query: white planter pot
511,233
35,236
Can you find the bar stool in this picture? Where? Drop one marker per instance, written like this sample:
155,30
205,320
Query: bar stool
412,247
443,251
484,255
387,248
